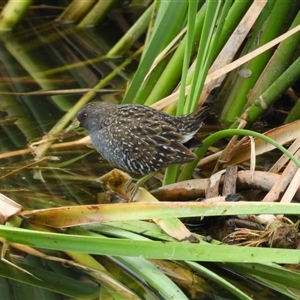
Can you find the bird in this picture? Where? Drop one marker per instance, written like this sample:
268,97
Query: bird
139,139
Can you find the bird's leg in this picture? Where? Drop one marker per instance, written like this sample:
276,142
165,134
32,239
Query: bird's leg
140,182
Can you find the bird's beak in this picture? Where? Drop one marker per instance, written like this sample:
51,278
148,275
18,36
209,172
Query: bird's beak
75,124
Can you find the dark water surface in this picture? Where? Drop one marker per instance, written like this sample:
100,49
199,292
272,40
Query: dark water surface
42,58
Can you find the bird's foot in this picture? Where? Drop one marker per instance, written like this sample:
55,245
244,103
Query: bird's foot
129,183
138,183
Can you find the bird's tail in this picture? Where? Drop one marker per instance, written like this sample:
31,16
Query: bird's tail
191,123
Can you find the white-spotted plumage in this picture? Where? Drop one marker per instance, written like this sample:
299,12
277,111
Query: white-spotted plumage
138,138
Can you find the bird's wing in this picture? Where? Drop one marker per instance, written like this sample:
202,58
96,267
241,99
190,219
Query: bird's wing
153,142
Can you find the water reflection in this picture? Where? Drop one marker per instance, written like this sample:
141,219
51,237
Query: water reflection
49,58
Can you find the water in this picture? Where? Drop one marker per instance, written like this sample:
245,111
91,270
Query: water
42,59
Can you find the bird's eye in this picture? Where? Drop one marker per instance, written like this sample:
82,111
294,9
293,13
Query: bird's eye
84,115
